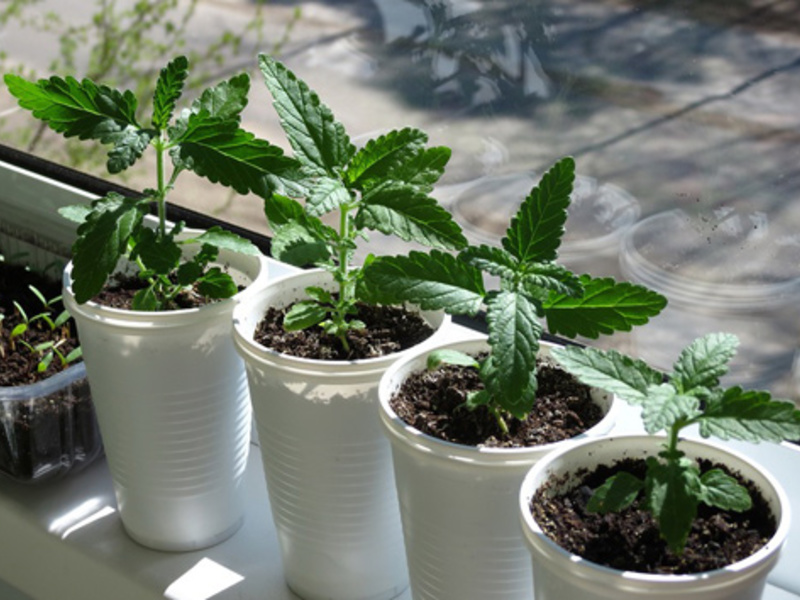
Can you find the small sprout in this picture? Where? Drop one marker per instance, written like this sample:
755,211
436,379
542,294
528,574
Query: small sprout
673,487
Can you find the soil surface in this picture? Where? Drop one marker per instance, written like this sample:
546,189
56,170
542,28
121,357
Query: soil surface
433,402
19,364
388,329
629,539
119,293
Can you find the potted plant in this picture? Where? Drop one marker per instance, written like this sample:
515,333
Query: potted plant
169,389
710,522
465,430
48,427
315,352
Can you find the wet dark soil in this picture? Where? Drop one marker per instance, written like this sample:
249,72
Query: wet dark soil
433,402
629,539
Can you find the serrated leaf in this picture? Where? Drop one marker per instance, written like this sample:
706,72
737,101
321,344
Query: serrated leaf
664,406
158,254
318,294
188,273
604,307
751,416
303,315
380,158
704,361
169,88
326,196
400,210
447,356
223,153
492,260
102,240
610,370
129,145
76,213
542,280
76,108
536,230
145,300
433,281
227,240
617,493
297,245
514,334
217,284
671,494
318,140
719,489
226,100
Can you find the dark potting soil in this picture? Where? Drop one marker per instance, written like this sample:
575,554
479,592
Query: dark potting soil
45,436
388,329
433,402
629,539
119,293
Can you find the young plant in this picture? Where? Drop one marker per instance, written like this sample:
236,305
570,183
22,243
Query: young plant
59,332
673,486
383,186
532,286
205,138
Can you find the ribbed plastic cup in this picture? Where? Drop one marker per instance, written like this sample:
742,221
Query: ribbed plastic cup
559,574
327,464
172,401
459,503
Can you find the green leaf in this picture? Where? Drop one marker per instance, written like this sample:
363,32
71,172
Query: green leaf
380,158
446,356
299,246
671,490
536,230
617,493
664,406
169,88
477,398
704,361
609,370
159,254
492,260
226,100
319,141
86,110
76,213
102,240
514,334
326,196
396,209
227,240
216,284
605,306
223,153
433,281
719,489
751,416
303,315
543,280
189,272
145,300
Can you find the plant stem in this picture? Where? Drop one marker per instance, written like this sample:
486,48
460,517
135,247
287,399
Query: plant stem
161,191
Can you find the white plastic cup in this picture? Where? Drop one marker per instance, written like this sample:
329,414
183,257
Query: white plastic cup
172,402
459,503
327,464
559,575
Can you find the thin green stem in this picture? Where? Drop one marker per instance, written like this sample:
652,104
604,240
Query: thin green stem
161,191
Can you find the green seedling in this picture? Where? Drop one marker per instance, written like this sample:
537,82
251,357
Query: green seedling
205,138
384,186
532,287
47,319
673,487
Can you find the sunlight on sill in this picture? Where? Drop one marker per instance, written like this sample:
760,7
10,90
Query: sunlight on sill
204,580
85,514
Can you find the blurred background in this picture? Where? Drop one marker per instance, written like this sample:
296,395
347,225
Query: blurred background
682,116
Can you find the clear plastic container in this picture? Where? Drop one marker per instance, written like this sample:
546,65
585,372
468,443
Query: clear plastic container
599,215
724,269
48,429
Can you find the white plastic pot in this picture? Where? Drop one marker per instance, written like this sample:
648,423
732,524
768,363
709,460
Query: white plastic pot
560,575
459,503
172,402
328,466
